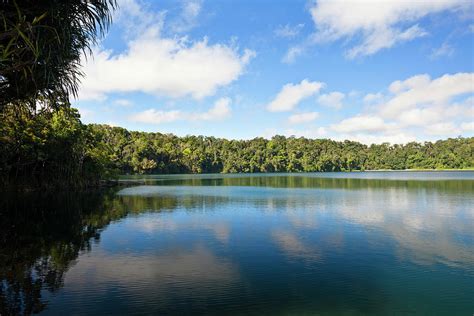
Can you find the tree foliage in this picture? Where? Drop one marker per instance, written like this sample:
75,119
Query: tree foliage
41,44
139,152
48,148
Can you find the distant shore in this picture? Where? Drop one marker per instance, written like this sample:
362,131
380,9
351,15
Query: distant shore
415,170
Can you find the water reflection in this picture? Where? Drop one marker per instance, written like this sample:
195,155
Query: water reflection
41,236
162,279
295,248
458,181
274,245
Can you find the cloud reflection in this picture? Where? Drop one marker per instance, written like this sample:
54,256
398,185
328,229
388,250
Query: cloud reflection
293,247
195,271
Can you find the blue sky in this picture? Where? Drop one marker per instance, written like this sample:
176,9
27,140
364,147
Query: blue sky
371,71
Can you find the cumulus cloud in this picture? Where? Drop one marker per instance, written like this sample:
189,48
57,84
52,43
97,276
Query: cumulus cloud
417,106
219,111
442,128
163,66
152,116
289,31
364,123
154,64
373,97
376,24
303,117
292,94
332,100
422,91
419,117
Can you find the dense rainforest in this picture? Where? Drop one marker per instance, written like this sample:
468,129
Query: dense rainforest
52,147
141,152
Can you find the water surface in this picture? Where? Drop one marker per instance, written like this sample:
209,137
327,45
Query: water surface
338,243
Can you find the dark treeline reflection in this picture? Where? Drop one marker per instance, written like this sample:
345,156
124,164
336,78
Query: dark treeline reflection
296,181
42,234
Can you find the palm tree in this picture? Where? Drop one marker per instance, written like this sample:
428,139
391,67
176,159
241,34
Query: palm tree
41,44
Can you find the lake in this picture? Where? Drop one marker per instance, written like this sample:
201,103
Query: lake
325,243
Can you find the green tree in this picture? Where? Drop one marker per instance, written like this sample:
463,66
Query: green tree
41,44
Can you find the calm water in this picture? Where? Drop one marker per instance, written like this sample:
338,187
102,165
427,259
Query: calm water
348,243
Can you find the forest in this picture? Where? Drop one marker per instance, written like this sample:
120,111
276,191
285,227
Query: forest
139,152
52,147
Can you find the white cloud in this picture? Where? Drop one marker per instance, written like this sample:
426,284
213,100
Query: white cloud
152,116
361,123
425,116
442,129
332,100
373,97
136,18
444,50
303,117
385,38
292,94
372,138
123,102
467,126
419,106
292,54
420,117
378,24
293,247
289,31
188,18
315,132
153,64
421,90
163,66
219,111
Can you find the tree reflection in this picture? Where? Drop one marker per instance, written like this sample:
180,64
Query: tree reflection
41,235
304,181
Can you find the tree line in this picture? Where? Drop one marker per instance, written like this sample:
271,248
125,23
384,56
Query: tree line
52,147
131,152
